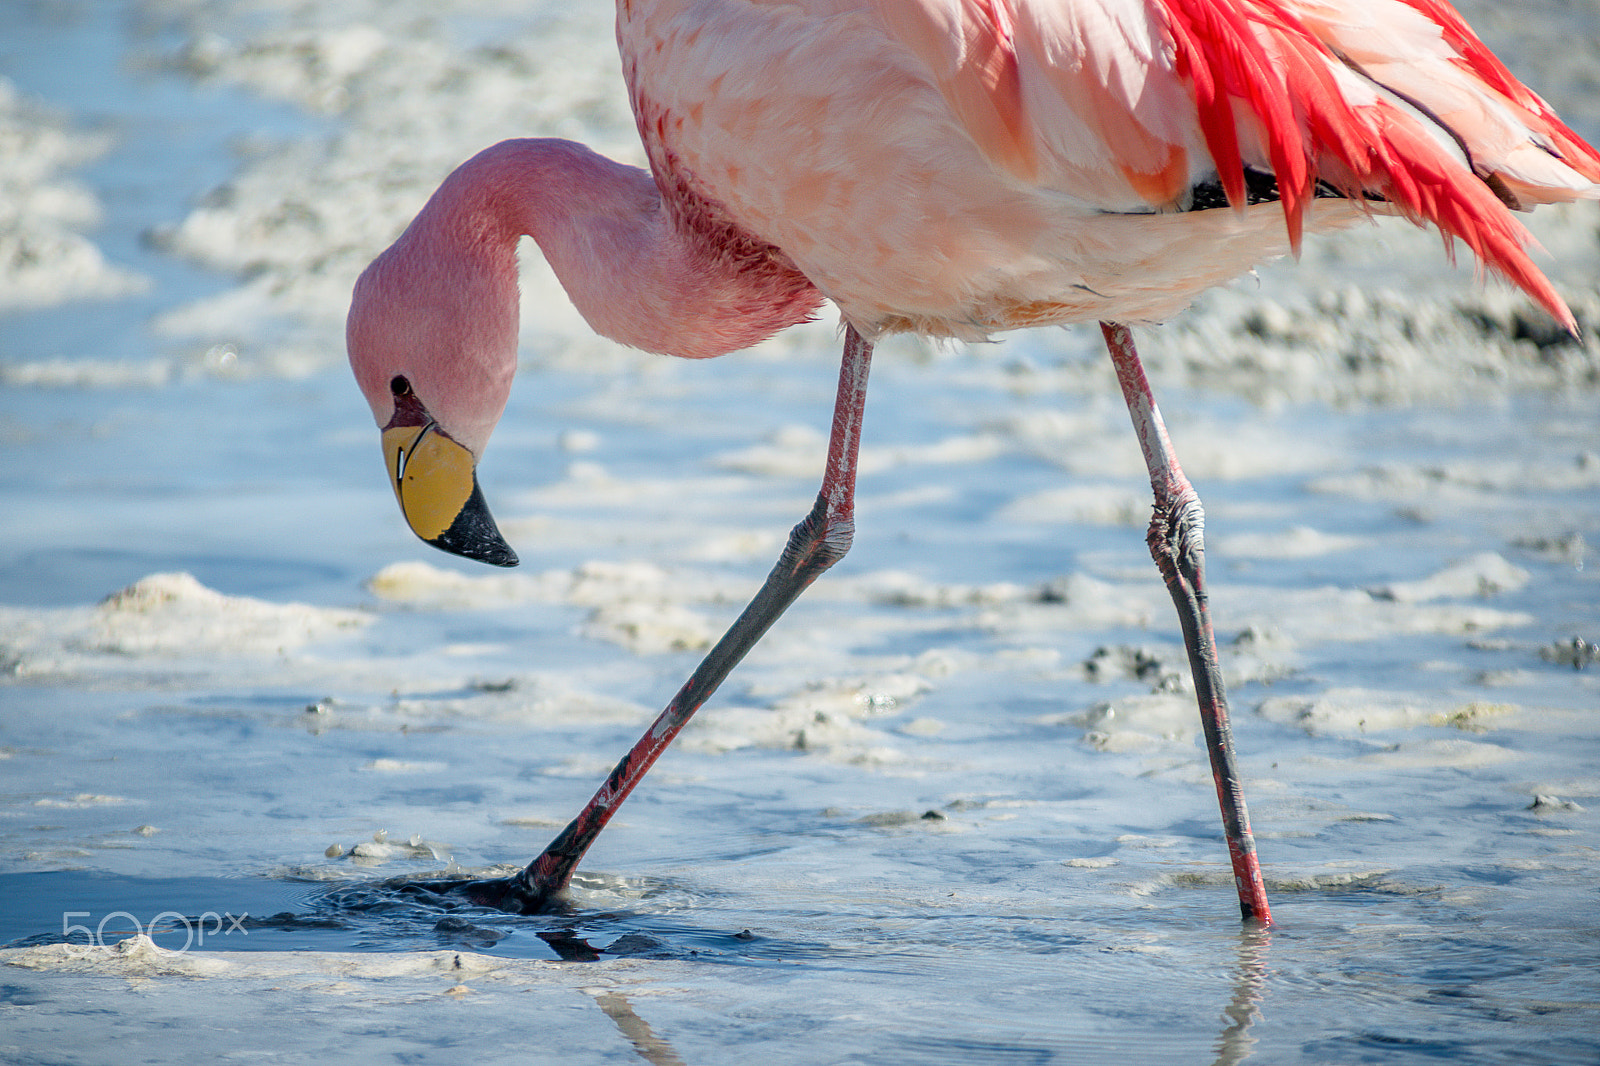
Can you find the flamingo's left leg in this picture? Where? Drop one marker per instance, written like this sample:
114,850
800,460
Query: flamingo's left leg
821,539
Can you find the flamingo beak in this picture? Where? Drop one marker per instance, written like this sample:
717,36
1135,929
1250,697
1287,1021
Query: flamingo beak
436,482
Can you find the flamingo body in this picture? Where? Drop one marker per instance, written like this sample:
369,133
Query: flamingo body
957,167
953,168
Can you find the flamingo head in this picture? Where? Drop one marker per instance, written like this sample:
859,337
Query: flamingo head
431,337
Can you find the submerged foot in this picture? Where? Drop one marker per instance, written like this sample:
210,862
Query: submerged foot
513,894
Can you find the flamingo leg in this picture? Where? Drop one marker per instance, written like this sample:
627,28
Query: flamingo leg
1176,540
821,539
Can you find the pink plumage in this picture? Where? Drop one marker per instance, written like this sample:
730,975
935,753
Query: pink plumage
963,166
953,168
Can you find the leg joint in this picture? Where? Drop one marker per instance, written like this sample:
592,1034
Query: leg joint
1177,535
821,539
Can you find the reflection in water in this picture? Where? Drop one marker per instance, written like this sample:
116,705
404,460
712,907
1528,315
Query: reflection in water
650,1047
569,947
1235,1042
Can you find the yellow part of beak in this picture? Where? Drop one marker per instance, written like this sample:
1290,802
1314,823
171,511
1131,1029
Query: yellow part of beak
436,485
432,477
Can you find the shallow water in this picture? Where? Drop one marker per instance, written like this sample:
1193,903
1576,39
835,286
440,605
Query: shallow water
296,712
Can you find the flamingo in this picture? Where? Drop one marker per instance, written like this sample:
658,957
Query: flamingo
953,168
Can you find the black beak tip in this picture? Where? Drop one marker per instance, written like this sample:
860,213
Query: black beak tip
495,554
491,549
474,535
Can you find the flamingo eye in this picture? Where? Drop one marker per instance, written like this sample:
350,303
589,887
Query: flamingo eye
400,386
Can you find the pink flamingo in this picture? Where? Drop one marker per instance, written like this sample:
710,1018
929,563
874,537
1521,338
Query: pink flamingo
953,168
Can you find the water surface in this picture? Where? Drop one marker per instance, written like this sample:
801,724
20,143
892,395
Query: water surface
951,810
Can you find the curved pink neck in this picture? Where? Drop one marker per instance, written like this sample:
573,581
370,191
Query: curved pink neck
655,274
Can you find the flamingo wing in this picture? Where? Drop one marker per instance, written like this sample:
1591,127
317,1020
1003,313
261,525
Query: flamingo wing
1391,101
962,166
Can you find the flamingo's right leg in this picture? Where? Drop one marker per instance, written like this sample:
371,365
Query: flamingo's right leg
1177,543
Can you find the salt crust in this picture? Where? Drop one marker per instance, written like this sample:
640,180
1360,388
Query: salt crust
161,617
1481,576
45,257
1359,712
140,957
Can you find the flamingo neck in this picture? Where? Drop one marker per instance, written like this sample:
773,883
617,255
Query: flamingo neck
651,271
